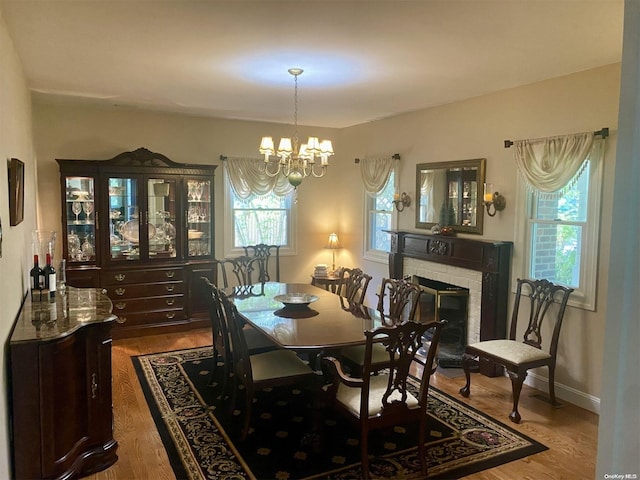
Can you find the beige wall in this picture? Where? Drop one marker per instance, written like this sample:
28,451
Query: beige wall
470,129
15,142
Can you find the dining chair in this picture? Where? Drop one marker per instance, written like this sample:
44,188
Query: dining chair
256,341
268,253
241,272
260,370
353,284
388,398
520,356
397,303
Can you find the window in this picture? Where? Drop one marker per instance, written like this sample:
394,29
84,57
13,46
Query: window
379,210
258,219
560,235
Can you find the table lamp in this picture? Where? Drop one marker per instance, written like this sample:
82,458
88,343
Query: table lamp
333,243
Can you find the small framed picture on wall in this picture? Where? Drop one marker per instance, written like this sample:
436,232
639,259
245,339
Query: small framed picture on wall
16,191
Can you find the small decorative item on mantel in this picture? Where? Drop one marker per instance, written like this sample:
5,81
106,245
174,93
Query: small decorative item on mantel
447,231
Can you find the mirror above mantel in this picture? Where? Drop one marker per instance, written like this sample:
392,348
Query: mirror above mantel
451,192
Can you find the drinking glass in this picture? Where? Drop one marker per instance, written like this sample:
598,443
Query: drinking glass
88,209
76,208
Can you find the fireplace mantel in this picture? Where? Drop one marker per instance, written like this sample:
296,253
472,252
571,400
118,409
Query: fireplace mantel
491,258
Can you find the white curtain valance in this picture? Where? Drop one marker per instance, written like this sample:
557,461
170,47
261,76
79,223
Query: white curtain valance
375,173
548,165
246,178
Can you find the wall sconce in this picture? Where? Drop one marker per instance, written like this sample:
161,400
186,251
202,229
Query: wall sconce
493,199
401,200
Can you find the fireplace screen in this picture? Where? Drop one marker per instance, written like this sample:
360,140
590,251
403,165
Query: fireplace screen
443,301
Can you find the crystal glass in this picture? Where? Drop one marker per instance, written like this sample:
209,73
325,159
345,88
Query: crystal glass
88,209
76,208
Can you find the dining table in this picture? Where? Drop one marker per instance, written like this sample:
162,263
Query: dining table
301,316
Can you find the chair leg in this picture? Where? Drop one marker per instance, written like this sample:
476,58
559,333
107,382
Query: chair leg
422,449
213,368
552,386
364,454
517,379
466,366
247,414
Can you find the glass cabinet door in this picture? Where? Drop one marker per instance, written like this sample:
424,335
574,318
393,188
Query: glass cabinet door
199,217
80,219
161,218
124,221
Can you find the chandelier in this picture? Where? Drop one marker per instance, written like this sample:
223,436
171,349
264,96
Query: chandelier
294,161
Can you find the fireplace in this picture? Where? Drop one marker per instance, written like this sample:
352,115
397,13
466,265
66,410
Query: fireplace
481,266
444,301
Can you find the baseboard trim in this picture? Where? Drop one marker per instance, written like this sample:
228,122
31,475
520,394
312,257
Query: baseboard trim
568,394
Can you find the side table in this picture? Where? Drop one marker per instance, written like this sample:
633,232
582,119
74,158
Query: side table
329,283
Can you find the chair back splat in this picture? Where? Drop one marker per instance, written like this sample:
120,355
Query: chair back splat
545,301
395,295
353,284
541,295
242,271
382,399
271,256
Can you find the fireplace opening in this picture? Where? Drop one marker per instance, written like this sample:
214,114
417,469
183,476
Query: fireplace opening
444,301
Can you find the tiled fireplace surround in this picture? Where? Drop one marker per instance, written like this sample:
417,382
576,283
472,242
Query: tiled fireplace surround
460,277
479,265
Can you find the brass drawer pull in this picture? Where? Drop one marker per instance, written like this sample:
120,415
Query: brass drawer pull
121,305
170,273
120,291
94,385
170,302
170,315
119,277
170,288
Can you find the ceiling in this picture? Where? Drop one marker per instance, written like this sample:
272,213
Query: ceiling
363,60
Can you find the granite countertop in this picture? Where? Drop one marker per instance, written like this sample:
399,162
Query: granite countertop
45,320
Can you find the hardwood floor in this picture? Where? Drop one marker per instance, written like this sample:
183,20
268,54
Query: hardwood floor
569,432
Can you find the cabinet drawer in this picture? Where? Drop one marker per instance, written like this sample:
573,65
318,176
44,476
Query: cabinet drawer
150,318
128,277
142,290
154,304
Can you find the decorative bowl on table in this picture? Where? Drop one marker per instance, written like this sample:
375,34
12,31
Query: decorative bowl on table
296,300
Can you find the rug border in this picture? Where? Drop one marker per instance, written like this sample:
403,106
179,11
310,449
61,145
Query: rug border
180,471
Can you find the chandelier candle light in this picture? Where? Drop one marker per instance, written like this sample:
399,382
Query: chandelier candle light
296,162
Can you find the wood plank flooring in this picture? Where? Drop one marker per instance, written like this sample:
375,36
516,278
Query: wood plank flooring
569,432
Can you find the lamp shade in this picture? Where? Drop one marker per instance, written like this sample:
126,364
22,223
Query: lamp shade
333,242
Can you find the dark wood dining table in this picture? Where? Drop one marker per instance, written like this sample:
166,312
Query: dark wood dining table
327,323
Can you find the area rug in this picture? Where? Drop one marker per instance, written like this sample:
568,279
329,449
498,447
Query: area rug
200,431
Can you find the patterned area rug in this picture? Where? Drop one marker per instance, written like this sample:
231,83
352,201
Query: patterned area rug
200,433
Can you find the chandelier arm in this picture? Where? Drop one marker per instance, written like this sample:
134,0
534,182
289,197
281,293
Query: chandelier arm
323,170
271,174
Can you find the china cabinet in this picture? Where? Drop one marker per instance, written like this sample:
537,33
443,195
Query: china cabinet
140,226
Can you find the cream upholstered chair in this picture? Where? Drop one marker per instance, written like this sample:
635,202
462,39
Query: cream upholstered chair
397,303
520,356
261,370
353,284
384,399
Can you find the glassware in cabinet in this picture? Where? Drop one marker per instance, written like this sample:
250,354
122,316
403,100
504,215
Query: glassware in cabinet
80,218
199,215
124,221
161,217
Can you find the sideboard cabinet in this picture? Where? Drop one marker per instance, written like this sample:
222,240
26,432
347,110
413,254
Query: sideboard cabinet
59,355
140,225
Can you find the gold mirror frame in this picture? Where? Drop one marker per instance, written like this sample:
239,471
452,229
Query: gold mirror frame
463,180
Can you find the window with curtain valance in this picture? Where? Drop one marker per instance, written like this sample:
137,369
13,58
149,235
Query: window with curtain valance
558,211
379,178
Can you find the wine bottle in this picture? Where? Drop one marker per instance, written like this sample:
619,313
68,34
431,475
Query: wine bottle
36,275
50,278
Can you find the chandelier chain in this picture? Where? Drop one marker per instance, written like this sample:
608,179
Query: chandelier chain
295,114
